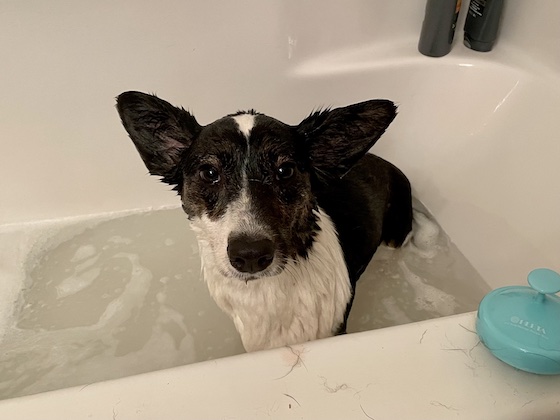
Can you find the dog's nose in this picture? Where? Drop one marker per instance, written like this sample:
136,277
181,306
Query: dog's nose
250,255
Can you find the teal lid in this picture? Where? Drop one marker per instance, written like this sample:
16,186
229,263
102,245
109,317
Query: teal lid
520,325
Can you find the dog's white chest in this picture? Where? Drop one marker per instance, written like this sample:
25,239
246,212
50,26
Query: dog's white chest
305,302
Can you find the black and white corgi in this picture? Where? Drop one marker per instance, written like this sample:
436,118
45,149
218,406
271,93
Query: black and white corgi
287,217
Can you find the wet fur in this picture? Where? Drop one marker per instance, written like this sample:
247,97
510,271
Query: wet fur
324,221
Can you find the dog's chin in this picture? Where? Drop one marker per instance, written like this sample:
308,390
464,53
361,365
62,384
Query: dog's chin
232,273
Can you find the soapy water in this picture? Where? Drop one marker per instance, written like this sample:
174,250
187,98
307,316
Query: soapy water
95,299
427,278
99,299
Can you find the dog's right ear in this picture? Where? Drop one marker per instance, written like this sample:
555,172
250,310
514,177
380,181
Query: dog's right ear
160,131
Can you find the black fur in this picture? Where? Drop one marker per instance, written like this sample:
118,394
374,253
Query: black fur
385,216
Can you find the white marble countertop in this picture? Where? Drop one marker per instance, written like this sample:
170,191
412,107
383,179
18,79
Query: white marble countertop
436,369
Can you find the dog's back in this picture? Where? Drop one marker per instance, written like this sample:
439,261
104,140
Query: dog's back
371,204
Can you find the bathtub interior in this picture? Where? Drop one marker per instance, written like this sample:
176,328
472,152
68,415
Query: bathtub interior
99,258
104,297
113,294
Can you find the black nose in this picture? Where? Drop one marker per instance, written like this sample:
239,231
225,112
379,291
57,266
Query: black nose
249,254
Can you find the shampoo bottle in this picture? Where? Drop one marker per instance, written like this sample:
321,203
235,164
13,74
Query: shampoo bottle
438,27
481,26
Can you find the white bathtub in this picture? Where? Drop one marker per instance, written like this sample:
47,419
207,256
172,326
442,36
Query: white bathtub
475,134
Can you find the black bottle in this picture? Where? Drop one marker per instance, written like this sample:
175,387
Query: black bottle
438,27
481,26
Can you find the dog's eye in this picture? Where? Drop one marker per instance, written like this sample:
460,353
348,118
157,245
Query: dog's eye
286,170
209,174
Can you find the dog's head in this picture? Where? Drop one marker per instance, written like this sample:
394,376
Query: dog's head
246,180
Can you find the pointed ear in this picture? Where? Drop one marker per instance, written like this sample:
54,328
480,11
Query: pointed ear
336,139
160,131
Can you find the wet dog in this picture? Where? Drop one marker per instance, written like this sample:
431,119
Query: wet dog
287,217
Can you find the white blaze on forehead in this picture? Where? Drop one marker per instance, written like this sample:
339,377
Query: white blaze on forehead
245,123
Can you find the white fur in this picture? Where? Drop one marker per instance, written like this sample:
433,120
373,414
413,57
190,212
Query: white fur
245,123
306,301
214,234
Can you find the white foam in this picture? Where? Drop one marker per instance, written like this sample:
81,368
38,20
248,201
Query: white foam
393,312
13,251
120,240
428,297
425,234
76,283
83,252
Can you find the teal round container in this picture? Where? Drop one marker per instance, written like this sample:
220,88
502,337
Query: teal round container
520,325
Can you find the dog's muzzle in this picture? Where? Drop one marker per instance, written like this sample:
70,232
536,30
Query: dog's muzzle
248,254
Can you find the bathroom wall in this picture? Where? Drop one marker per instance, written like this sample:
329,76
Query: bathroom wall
532,28
63,62
528,27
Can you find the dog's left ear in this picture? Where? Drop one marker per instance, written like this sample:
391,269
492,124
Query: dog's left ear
336,139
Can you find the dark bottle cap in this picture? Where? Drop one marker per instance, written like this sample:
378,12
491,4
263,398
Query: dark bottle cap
482,46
